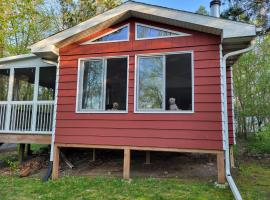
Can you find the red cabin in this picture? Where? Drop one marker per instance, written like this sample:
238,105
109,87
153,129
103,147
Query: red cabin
143,77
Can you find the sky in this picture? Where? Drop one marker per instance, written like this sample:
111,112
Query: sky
187,5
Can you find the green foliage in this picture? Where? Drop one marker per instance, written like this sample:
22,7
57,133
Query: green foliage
251,75
24,22
253,11
259,144
13,165
202,10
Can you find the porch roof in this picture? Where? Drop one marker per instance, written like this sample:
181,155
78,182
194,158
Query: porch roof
24,60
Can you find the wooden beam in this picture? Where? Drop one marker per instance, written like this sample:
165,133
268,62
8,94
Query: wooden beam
25,138
232,157
55,171
221,167
203,151
126,167
147,158
21,153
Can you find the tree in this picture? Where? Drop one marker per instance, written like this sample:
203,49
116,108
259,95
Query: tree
202,10
68,13
23,22
253,11
252,88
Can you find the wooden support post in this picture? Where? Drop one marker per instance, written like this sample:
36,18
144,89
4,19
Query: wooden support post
28,150
93,155
147,158
55,171
232,157
21,153
126,167
221,167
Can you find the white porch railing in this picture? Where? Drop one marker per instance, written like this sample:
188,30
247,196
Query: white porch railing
26,117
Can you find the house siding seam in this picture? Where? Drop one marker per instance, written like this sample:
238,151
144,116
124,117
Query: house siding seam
199,130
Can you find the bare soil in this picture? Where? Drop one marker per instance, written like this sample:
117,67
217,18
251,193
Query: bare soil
109,163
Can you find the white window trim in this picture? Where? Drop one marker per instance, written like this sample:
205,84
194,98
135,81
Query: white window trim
158,37
112,31
79,84
136,83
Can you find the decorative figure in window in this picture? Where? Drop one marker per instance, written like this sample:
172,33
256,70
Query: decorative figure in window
173,105
115,106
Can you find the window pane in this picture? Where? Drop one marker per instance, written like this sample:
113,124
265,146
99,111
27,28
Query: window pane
23,88
151,83
179,81
149,32
4,78
46,87
121,34
92,95
116,84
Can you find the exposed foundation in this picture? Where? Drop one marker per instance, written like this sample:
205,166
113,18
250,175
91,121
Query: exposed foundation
126,158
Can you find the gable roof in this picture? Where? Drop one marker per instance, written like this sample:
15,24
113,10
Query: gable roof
230,31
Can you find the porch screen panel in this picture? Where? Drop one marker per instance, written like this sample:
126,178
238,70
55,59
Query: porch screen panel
23,87
4,78
46,86
93,85
151,87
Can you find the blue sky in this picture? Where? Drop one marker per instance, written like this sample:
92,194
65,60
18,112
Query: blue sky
188,5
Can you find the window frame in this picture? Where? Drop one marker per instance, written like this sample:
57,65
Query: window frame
80,82
136,79
158,37
91,41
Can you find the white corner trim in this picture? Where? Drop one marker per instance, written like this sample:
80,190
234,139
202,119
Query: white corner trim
160,111
179,34
105,34
78,92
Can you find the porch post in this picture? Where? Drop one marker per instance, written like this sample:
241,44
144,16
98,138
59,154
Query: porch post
221,167
9,98
21,153
55,170
35,97
126,167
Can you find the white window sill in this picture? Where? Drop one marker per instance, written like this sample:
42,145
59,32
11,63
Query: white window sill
102,112
166,112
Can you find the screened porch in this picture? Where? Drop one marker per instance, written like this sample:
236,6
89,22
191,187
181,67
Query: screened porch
27,97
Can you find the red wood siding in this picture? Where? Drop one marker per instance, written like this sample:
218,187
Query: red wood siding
200,130
230,105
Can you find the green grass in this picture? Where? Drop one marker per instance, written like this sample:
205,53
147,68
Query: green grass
259,143
253,182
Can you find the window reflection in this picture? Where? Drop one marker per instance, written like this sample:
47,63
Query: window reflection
151,77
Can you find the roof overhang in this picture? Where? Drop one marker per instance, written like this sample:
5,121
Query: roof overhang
24,61
235,35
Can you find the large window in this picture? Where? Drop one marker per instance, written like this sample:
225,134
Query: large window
103,85
164,83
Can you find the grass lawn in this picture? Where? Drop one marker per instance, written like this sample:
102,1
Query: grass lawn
253,181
